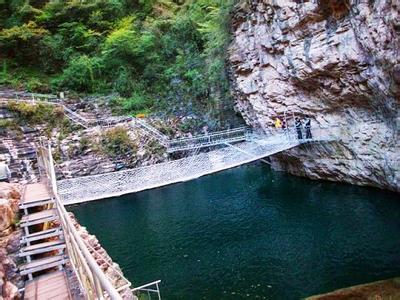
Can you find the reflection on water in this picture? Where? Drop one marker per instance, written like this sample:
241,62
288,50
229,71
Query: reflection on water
250,233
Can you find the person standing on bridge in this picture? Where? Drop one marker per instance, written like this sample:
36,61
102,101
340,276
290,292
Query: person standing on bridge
299,127
307,125
278,123
5,173
285,128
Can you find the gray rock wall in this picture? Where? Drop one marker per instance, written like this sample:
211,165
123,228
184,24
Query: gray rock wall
335,60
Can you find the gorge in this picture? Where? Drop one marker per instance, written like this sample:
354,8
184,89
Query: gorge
106,87
336,61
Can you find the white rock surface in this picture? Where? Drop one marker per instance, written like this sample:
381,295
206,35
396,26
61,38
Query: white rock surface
335,60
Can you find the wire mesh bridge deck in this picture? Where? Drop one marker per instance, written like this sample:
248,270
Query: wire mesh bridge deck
113,184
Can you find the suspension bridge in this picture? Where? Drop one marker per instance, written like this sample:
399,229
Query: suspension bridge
67,257
234,148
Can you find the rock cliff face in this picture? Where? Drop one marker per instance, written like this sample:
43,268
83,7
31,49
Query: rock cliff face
10,281
337,61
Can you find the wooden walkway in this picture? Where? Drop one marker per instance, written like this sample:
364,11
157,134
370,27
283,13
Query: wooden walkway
42,246
35,194
49,286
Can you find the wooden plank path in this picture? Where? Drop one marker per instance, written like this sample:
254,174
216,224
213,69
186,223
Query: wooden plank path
40,217
49,286
42,264
35,194
42,247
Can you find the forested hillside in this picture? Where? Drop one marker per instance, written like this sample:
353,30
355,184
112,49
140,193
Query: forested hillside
156,54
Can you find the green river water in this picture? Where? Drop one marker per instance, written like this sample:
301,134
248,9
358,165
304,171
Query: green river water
250,233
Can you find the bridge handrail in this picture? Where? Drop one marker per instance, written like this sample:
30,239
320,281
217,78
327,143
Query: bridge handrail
95,283
203,139
242,129
127,283
210,139
162,138
145,288
78,118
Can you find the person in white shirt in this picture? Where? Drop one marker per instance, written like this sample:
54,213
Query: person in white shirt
5,173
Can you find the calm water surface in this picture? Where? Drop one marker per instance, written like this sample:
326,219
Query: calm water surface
250,233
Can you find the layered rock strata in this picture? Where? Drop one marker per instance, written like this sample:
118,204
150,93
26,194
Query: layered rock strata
337,61
10,281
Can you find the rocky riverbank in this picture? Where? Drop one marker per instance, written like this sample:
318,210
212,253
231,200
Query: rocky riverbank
10,281
336,61
78,151
382,290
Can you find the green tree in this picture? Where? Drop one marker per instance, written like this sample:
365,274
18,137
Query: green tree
22,43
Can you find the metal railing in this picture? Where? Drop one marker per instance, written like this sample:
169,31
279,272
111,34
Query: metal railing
148,290
76,118
121,283
153,132
92,187
190,143
210,139
94,283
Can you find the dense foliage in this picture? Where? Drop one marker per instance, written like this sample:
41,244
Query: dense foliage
154,53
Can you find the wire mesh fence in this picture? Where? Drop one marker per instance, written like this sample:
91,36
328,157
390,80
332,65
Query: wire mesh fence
106,185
